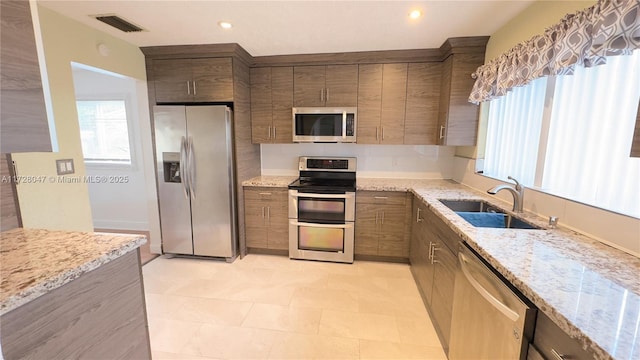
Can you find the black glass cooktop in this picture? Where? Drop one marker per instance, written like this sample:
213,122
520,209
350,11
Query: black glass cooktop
324,186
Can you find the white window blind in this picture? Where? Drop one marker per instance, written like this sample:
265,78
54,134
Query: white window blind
104,131
579,147
513,133
592,123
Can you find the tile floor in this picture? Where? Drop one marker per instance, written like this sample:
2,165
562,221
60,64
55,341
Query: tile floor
270,307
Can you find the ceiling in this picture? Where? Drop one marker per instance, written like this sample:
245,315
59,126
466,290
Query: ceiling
296,27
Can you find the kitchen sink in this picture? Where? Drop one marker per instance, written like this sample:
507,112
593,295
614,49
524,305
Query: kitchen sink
482,214
471,206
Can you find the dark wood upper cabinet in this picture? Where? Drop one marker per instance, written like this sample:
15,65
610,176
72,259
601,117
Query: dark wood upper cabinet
423,99
193,80
382,91
330,85
458,118
271,103
24,126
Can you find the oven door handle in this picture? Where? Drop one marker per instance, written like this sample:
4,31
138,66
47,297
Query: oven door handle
322,196
328,226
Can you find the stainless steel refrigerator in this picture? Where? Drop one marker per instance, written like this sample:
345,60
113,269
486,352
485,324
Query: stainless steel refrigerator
196,187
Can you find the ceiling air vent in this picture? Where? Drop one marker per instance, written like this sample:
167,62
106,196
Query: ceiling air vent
118,23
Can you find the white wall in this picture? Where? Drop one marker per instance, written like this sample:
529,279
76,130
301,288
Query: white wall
374,161
131,205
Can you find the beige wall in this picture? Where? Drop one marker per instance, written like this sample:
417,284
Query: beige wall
532,21
616,230
52,204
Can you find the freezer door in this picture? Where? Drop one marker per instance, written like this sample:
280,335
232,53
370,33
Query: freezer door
175,212
211,180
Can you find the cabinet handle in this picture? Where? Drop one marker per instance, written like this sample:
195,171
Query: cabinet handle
382,222
431,250
263,213
274,133
557,355
265,193
376,217
433,254
376,133
326,96
441,131
418,219
194,88
382,133
381,197
269,133
269,214
188,87
322,95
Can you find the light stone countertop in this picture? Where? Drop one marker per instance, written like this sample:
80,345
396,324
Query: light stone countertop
270,181
589,289
34,262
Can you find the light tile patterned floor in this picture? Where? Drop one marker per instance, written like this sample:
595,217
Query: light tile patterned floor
270,307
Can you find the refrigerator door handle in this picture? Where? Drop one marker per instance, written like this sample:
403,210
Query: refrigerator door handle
183,166
191,168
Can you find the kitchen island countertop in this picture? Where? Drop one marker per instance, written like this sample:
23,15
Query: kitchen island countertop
34,262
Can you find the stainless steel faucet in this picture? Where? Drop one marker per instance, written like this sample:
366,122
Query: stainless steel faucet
517,192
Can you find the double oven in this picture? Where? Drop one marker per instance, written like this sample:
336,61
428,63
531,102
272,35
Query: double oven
322,204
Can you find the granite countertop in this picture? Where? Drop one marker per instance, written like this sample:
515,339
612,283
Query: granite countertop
269,181
589,289
34,262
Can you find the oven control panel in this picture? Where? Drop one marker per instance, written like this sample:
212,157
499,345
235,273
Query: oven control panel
322,163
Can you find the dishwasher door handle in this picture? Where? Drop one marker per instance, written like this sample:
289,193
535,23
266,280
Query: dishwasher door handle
504,309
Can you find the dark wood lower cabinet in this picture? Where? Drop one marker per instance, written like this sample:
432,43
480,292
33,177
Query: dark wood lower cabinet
381,224
100,315
433,265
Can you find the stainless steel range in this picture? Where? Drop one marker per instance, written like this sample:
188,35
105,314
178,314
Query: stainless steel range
322,206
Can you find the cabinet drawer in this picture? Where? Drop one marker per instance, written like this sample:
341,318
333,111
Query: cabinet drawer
548,337
262,194
381,197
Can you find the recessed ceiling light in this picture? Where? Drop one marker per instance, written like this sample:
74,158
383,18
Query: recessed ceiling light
225,25
415,14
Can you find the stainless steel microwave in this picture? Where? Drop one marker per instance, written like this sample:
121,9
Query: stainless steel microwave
324,124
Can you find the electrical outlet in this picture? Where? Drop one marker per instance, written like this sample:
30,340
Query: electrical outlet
65,166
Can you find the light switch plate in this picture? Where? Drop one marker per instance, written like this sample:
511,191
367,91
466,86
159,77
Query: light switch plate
65,166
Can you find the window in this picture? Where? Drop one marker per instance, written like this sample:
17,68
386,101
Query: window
578,145
104,131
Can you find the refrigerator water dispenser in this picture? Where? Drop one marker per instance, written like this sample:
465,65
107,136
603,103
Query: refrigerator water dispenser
171,167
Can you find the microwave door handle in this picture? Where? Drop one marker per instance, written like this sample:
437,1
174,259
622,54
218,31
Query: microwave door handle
344,124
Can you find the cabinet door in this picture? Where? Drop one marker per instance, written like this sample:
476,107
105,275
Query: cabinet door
254,218
423,99
24,126
261,100
445,93
341,84
308,85
282,98
213,79
421,266
172,80
392,223
445,264
366,232
278,218
369,103
458,116
394,95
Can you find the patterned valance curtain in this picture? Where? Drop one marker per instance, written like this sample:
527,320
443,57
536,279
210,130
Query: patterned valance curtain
610,27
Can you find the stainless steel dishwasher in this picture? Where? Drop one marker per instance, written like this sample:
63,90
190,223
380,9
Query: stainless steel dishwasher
490,321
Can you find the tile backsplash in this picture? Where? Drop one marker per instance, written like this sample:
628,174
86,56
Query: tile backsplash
374,161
